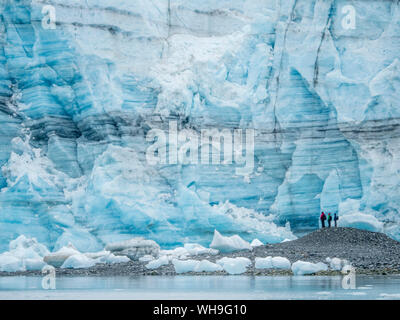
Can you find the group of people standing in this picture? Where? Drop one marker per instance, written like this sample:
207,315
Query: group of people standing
324,217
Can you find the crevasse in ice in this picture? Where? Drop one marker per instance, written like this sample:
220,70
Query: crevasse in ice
77,101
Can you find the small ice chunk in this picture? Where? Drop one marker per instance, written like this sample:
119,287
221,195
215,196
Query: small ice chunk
134,248
335,263
189,249
183,266
146,258
234,265
207,266
56,259
155,264
178,253
256,243
34,264
229,244
263,263
96,255
111,259
272,263
195,249
25,254
345,263
77,261
106,257
28,245
10,263
134,242
87,260
281,263
302,267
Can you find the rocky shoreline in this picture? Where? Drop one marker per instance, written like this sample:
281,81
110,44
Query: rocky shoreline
369,252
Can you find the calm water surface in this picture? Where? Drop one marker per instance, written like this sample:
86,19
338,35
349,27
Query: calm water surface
201,287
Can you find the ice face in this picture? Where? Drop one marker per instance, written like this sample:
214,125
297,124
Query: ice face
320,88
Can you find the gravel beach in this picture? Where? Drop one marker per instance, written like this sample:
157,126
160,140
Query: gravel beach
369,252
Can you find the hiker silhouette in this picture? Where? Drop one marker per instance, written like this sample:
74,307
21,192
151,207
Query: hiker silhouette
329,219
323,218
335,218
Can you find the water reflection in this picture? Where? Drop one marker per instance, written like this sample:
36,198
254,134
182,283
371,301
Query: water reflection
201,287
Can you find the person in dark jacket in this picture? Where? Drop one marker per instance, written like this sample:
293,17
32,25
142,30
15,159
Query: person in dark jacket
323,218
335,218
329,219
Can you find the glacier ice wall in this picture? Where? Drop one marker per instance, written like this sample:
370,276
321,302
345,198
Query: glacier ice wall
77,101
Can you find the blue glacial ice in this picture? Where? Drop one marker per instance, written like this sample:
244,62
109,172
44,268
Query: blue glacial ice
77,101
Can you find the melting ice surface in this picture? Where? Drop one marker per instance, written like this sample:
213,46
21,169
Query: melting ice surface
201,287
77,102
